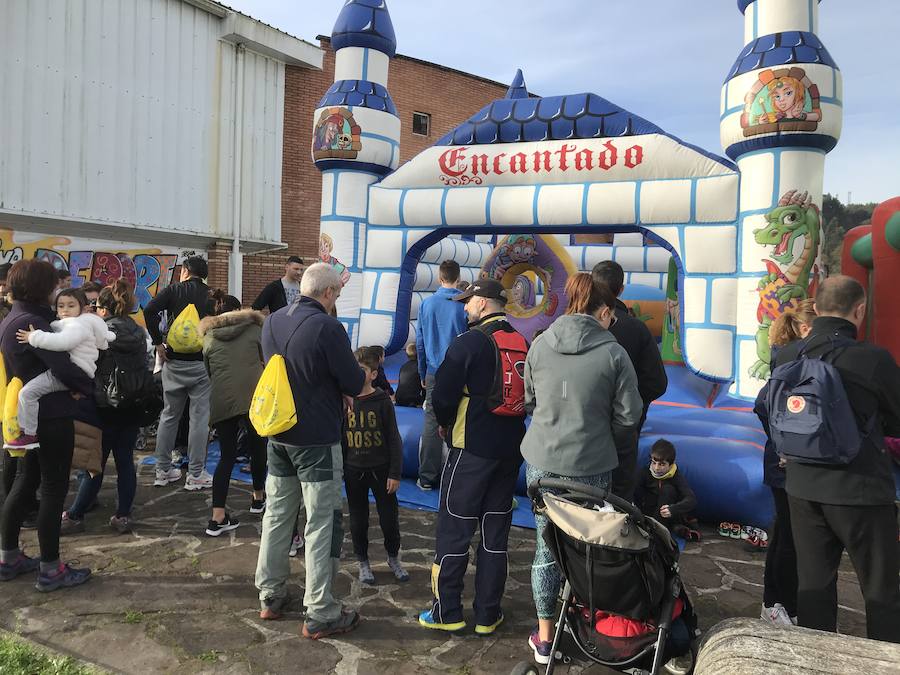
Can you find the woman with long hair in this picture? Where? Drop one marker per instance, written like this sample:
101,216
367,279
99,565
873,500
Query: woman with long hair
580,387
120,423
233,357
32,284
780,577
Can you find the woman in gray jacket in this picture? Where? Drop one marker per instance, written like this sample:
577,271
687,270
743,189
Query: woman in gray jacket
233,358
580,388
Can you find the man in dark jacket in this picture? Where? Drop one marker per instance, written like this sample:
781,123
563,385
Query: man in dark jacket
635,337
281,292
481,470
184,378
306,462
849,506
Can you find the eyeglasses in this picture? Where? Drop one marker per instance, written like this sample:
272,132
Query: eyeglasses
657,460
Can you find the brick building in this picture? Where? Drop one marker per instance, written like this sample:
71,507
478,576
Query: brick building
439,97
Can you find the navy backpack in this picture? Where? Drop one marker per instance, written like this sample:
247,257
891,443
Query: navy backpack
810,417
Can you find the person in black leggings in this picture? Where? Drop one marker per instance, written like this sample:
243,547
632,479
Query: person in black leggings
233,358
32,283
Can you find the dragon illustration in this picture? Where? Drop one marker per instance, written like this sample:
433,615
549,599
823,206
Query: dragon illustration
782,288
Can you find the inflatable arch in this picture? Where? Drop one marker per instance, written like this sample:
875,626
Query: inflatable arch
744,232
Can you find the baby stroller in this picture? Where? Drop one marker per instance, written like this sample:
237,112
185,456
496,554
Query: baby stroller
621,572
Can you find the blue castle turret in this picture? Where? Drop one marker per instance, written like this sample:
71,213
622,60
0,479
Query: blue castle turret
356,140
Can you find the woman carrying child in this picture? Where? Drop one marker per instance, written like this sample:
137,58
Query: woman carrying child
780,577
579,387
120,424
373,458
33,285
234,361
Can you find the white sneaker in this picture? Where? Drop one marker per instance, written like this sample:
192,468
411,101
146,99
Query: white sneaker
776,615
163,478
200,482
296,544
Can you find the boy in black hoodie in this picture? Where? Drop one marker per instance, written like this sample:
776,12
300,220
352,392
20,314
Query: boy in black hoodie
409,388
373,458
664,494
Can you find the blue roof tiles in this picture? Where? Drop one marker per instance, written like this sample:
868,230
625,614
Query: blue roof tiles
365,23
781,49
359,93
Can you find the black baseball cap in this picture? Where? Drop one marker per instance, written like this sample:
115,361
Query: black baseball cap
484,288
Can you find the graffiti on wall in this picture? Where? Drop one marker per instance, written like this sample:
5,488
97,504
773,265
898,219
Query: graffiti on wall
147,270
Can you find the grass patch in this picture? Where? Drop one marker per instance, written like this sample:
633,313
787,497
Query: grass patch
23,659
211,655
134,617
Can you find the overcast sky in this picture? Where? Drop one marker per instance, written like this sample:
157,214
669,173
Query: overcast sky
664,60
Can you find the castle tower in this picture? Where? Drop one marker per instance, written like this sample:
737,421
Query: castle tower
356,140
781,112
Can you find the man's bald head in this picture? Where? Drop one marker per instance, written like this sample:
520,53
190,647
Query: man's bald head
843,297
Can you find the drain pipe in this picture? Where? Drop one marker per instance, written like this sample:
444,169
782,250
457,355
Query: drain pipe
236,261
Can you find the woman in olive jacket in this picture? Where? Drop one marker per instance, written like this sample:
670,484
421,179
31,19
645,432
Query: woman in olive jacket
233,358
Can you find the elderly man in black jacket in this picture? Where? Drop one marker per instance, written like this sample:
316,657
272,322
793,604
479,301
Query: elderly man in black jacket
306,461
635,337
849,506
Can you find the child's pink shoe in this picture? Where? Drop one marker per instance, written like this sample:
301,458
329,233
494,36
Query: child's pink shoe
893,446
23,442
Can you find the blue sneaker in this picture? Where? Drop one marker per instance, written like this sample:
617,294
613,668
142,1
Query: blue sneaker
427,620
63,577
541,649
22,565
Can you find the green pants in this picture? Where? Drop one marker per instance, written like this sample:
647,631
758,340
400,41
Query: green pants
314,476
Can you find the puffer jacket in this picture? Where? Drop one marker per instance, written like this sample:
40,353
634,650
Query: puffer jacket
128,352
233,358
580,387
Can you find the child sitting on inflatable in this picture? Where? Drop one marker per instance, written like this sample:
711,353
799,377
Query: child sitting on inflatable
664,494
409,387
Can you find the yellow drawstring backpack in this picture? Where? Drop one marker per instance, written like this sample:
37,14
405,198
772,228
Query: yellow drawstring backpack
272,408
184,333
9,406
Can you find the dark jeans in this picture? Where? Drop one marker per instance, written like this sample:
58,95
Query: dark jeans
47,466
780,579
358,483
227,431
475,492
869,534
119,441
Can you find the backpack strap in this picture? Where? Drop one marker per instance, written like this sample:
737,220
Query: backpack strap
296,328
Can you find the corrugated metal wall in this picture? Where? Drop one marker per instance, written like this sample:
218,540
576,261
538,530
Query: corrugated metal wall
122,111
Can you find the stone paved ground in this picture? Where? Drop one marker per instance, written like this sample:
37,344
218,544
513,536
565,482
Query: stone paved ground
168,598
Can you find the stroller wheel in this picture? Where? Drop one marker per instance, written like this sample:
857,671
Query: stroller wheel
524,668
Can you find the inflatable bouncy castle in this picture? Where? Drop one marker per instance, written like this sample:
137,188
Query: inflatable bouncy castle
530,189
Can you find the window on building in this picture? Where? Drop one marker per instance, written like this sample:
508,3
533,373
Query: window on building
421,124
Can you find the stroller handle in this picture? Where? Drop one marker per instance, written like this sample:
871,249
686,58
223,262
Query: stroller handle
596,493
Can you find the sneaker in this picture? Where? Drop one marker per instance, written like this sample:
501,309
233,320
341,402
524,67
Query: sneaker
214,529
70,525
485,630
315,630
366,576
201,481
428,620
23,442
257,506
63,577
776,615
542,650
396,566
22,565
120,524
273,608
425,487
163,478
296,545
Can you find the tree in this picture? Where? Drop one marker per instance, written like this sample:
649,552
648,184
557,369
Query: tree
838,219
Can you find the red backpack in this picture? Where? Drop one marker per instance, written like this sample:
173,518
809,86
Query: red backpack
507,395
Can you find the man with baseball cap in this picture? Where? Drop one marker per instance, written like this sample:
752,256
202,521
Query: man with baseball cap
483,465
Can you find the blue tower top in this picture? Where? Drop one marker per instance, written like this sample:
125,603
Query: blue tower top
517,89
365,23
744,4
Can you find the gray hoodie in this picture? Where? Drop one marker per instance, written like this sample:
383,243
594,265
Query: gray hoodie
579,384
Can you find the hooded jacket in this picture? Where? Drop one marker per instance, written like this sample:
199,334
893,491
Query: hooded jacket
635,337
579,387
320,366
233,357
128,352
84,337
